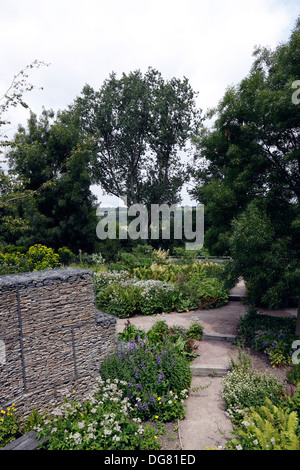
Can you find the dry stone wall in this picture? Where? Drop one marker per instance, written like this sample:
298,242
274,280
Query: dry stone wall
53,338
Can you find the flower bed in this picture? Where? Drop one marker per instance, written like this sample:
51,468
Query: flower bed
139,390
270,335
265,417
148,290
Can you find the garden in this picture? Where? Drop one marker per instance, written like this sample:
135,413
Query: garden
142,388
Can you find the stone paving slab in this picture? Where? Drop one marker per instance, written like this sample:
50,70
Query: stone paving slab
206,423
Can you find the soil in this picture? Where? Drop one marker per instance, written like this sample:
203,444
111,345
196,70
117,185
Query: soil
171,439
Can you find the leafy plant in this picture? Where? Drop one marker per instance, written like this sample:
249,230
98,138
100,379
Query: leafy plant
156,373
105,421
195,331
273,336
245,386
268,427
293,374
10,425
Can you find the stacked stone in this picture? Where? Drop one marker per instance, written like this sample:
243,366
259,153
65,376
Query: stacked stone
54,337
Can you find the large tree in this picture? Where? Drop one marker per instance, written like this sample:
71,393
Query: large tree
139,124
54,161
248,170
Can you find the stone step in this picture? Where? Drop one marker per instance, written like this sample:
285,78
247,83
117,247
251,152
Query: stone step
212,370
236,297
215,353
218,337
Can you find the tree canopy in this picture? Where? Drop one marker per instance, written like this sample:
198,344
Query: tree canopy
248,172
54,161
139,124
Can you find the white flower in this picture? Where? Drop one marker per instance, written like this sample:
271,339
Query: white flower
246,423
239,447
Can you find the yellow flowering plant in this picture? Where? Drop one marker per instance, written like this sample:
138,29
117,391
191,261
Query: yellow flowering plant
10,425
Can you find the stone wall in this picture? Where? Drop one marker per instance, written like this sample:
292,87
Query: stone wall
54,338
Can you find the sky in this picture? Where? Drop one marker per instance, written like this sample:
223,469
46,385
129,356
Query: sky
210,42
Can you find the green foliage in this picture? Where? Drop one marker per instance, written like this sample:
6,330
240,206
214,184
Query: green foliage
105,421
36,258
267,427
195,331
245,387
120,301
13,263
272,335
248,176
14,259
52,160
127,118
205,293
121,295
65,255
293,374
156,372
41,257
10,425
155,288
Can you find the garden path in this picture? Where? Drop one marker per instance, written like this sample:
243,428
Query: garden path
206,423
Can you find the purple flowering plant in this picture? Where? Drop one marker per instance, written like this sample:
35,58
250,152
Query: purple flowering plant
157,376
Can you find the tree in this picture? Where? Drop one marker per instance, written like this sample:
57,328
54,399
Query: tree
139,124
252,153
14,218
54,161
14,95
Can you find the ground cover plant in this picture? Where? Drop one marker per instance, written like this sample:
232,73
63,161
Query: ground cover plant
105,421
264,415
156,370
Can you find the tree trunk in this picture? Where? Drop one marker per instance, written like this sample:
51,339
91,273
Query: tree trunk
298,318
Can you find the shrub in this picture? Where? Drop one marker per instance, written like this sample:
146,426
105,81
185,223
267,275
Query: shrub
245,386
40,257
293,374
273,336
157,377
65,255
195,331
205,293
105,421
267,427
10,425
103,279
275,344
36,258
120,301
121,295
13,262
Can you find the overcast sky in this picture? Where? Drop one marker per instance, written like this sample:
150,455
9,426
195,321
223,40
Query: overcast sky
208,41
